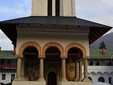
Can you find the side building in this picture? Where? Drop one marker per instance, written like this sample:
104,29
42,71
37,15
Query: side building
100,67
7,66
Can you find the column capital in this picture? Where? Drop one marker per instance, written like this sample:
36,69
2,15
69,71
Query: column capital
80,59
19,56
86,57
41,56
63,57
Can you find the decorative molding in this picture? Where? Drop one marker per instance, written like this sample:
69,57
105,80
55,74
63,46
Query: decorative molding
27,44
77,45
53,44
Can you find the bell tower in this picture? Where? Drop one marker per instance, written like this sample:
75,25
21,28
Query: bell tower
53,8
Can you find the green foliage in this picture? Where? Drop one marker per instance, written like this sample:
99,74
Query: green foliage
102,45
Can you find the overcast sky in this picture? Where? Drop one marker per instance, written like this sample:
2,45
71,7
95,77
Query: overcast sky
100,11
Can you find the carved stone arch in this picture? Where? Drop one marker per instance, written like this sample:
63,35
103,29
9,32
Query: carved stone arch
27,44
53,44
69,46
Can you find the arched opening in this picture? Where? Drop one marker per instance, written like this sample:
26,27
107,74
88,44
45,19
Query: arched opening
52,64
31,63
52,54
101,79
52,78
74,54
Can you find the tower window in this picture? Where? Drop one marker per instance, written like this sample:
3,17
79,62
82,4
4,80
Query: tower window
49,7
57,7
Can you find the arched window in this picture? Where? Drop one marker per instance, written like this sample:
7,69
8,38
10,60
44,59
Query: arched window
109,63
101,79
98,63
91,63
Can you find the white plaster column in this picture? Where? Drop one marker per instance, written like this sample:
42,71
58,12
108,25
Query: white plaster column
67,8
77,71
53,7
41,70
64,69
80,70
86,70
39,7
19,58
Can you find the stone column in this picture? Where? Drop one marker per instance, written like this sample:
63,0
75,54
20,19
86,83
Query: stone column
64,69
77,71
86,70
22,70
19,67
41,70
80,70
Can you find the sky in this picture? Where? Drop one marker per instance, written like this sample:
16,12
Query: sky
100,11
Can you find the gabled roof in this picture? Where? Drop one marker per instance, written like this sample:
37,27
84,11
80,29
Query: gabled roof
96,30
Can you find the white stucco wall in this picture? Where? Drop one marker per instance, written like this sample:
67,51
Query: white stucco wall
45,35
7,78
100,71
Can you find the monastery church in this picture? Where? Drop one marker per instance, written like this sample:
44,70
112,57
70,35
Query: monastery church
52,44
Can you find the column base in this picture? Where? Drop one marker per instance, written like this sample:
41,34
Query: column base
80,79
86,80
76,79
18,79
75,83
41,80
63,80
28,83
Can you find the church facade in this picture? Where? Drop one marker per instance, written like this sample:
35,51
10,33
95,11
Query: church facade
52,45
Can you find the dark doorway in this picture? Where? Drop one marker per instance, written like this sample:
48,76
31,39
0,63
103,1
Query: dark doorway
52,78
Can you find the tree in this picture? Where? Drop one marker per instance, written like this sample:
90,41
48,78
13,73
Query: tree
102,47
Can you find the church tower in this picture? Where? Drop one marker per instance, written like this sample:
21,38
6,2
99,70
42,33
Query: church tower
53,8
